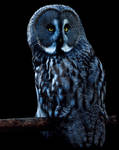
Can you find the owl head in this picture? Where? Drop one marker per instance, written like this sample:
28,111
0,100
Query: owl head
54,29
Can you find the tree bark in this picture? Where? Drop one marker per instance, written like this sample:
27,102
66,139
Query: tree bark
41,124
16,124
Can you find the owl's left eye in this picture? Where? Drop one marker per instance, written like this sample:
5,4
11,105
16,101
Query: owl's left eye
67,27
51,28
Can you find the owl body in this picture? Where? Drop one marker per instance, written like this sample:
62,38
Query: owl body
69,78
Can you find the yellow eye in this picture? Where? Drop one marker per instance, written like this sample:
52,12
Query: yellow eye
66,29
51,29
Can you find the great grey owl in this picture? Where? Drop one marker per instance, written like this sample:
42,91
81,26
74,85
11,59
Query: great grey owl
69,78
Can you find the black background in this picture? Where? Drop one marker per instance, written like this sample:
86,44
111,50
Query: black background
17,94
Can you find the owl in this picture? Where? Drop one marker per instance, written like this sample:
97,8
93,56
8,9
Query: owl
69,78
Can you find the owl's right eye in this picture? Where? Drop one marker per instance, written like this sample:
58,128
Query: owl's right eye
67,27
51,28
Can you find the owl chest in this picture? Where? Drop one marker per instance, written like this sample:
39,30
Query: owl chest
55,78
50,80
59,86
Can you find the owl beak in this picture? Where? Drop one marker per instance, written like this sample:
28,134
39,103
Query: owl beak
60,41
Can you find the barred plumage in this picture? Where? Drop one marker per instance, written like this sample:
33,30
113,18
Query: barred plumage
69,79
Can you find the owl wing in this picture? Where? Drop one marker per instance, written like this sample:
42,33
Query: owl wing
94,117
88,125
97,83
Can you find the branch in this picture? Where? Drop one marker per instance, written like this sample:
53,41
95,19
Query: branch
113,120
16,124
41,124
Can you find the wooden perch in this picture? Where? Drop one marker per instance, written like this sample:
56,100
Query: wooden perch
41,124
16,124
113,120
